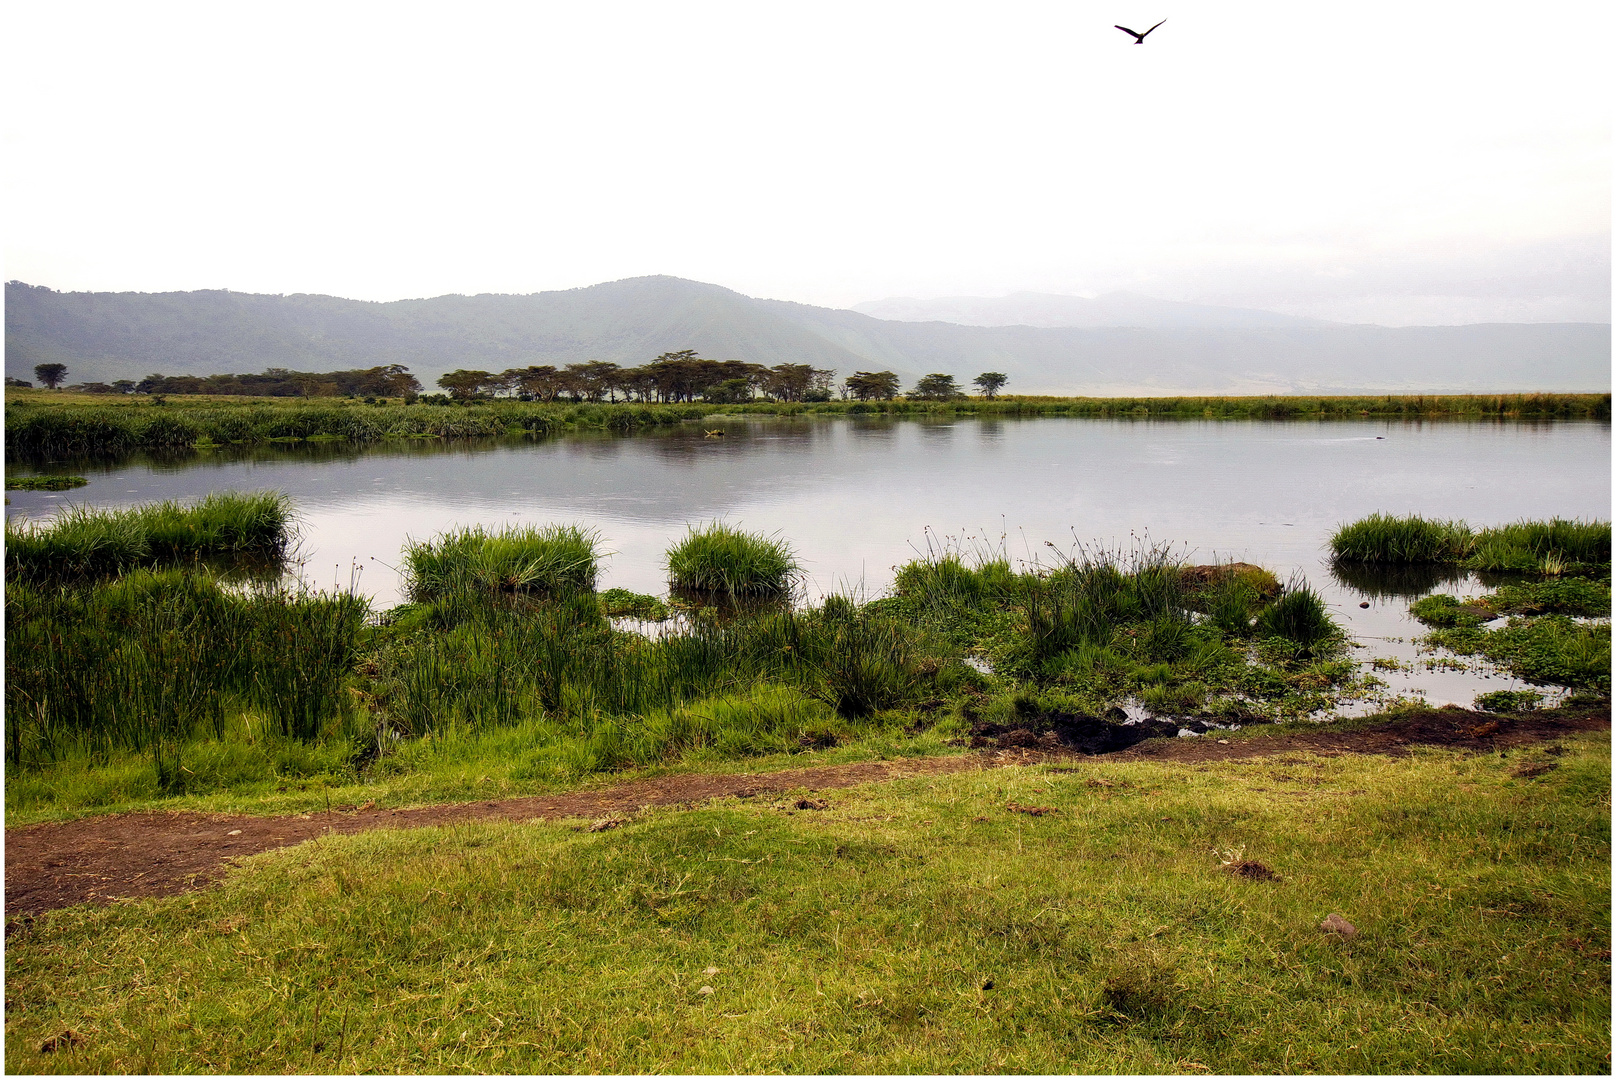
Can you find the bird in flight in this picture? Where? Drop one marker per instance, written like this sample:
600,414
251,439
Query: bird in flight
1138,38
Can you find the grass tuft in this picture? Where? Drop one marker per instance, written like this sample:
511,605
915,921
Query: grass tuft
83,542
542,560
720,561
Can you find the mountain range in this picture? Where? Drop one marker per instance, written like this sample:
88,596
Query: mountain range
1118,344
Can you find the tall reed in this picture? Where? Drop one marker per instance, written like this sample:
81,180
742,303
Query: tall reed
161,656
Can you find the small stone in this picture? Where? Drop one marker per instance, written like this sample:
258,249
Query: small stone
1337,925
709,970
233,832
705,990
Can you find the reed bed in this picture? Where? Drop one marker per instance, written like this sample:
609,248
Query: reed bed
88,542
1553,546
62,425
529,560
157,657
720,561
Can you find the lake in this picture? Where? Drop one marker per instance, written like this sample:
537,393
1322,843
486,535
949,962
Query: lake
857,497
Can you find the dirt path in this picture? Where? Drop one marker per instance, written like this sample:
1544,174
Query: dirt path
102,859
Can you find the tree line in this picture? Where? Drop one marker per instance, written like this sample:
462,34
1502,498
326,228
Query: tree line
684,376
672,378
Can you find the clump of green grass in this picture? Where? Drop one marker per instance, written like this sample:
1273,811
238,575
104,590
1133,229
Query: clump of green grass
1551,547
720,561
1386,538
1299,615
623,604
89,542
1509,701
541,560
45,483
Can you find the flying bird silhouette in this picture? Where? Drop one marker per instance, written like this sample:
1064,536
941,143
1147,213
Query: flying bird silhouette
1138,38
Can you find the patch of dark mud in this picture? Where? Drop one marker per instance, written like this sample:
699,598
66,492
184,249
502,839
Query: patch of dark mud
1252,870
1069,732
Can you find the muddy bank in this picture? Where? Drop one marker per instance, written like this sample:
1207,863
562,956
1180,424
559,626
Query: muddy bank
129,856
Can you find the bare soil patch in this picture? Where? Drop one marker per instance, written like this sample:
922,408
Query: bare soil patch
119,856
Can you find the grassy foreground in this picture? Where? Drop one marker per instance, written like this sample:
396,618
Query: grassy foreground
920,925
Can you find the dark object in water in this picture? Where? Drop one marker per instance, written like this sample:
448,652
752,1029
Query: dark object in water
1070,732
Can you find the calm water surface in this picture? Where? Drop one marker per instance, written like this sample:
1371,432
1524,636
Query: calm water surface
859,497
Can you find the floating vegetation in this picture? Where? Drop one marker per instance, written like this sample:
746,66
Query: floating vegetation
623,604
45,483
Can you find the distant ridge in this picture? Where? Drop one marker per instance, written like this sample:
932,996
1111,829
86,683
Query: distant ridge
1051,309
106,336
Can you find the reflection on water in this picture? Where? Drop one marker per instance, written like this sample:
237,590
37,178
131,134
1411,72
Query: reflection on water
856,496
1377,581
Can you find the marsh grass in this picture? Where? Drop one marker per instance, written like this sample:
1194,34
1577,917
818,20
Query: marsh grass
530,560
54,425
864,937
85,542
1386,538
1551,547
159,657
721,561
1300,615
45,483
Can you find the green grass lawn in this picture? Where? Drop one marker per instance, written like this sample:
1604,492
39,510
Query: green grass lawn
918,925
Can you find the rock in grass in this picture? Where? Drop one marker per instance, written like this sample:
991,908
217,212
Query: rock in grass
1335,924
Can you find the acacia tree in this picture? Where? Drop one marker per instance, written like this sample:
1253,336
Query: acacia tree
465,384
936,387
865,385
989,383
50,374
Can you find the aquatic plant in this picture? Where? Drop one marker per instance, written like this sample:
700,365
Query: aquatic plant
531,560
621,603
1550,547
1300,616
85,541
721,561
45,483
161,656
1386,538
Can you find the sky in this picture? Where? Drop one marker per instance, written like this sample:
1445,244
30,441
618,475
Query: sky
1370,162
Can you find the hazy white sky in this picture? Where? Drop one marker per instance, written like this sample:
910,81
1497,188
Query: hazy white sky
1393,162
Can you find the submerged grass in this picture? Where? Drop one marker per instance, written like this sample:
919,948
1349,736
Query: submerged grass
719,560
915,926
83,542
